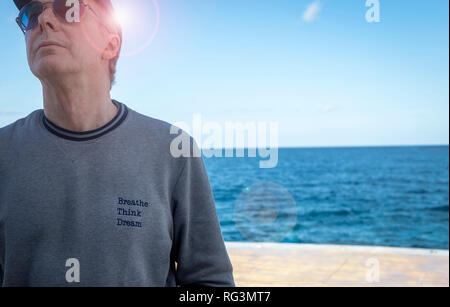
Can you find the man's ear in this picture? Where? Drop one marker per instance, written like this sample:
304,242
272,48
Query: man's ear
112,48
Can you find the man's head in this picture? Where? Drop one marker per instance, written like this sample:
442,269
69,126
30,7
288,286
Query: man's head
71,37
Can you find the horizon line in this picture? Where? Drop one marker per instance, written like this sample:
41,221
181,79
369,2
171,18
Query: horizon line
336,146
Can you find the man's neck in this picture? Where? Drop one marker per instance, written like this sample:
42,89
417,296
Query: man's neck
78,105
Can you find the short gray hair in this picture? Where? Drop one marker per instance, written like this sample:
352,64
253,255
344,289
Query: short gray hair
108,9
113,62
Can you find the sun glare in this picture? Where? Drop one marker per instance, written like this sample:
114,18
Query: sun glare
122,17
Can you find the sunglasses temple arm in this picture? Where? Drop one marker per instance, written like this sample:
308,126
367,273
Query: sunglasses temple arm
97,15
18,23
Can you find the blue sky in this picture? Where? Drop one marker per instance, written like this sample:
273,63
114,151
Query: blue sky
332,80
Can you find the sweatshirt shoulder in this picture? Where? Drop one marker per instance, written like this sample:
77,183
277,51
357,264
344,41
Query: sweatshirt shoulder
151,122
167,139
158,130
17,128
12,136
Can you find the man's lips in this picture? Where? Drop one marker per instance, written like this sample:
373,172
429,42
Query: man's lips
47,44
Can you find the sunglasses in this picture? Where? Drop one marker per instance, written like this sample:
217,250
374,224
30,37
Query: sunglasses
29,14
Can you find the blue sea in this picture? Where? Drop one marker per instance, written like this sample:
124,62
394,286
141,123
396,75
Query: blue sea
388,196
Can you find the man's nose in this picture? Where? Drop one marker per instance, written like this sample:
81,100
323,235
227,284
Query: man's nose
47,20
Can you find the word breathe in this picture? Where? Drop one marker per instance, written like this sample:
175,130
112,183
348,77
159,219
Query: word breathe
138,202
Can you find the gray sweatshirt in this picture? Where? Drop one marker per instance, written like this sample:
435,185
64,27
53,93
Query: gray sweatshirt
108,207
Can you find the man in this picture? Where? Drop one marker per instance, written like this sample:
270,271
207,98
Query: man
90,194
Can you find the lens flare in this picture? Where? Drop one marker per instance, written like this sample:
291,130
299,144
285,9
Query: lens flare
122,17
139,20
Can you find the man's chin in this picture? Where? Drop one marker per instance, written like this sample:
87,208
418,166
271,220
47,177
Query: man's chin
50,67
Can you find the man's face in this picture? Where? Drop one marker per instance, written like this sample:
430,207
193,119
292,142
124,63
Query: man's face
72,48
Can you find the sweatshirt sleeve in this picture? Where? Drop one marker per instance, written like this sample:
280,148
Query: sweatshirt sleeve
198,246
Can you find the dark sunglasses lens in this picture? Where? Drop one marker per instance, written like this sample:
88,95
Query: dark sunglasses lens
68,12
29,15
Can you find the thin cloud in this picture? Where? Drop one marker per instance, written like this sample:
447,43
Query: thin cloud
329,108
312,11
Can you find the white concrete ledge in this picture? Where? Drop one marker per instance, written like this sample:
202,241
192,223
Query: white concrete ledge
289,264
325,247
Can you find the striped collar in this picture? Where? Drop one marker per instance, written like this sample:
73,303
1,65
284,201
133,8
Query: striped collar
88,135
